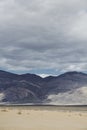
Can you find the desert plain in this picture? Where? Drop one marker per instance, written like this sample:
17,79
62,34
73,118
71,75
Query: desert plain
43,118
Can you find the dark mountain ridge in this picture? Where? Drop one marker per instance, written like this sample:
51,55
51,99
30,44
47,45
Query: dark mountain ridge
31,88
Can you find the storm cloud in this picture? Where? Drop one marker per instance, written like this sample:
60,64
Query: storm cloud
43,35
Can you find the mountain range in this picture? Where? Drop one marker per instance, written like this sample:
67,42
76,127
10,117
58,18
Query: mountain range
69,88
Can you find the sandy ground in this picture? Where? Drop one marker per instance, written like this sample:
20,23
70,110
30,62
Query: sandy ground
25,119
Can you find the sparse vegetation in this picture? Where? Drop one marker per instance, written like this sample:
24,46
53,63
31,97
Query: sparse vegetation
19,113
4,110
80,114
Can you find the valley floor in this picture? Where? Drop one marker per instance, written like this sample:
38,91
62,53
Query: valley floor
15,118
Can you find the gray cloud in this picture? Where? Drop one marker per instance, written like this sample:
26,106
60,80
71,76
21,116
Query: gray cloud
49,34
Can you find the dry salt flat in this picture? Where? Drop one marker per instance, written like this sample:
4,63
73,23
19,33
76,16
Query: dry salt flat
15,118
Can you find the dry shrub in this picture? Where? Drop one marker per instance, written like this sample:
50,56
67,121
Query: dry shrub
19,113
4,110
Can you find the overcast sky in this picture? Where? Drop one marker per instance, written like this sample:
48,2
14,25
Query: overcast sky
43,36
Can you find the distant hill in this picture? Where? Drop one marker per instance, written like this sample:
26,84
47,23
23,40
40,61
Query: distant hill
67,88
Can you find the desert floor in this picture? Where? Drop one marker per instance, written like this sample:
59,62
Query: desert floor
15,118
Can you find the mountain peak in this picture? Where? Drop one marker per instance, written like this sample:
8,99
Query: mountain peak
31,88
72,73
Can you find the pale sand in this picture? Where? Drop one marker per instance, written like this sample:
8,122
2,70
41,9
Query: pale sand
31,119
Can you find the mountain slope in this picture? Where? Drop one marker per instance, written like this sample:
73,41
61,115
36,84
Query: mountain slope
19,88
31,88
73,97
67,82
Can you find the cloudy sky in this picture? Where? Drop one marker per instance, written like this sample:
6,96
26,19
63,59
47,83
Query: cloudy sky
43,36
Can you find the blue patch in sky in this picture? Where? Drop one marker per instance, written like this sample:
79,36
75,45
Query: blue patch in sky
36,71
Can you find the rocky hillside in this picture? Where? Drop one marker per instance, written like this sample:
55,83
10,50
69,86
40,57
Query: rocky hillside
31,88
